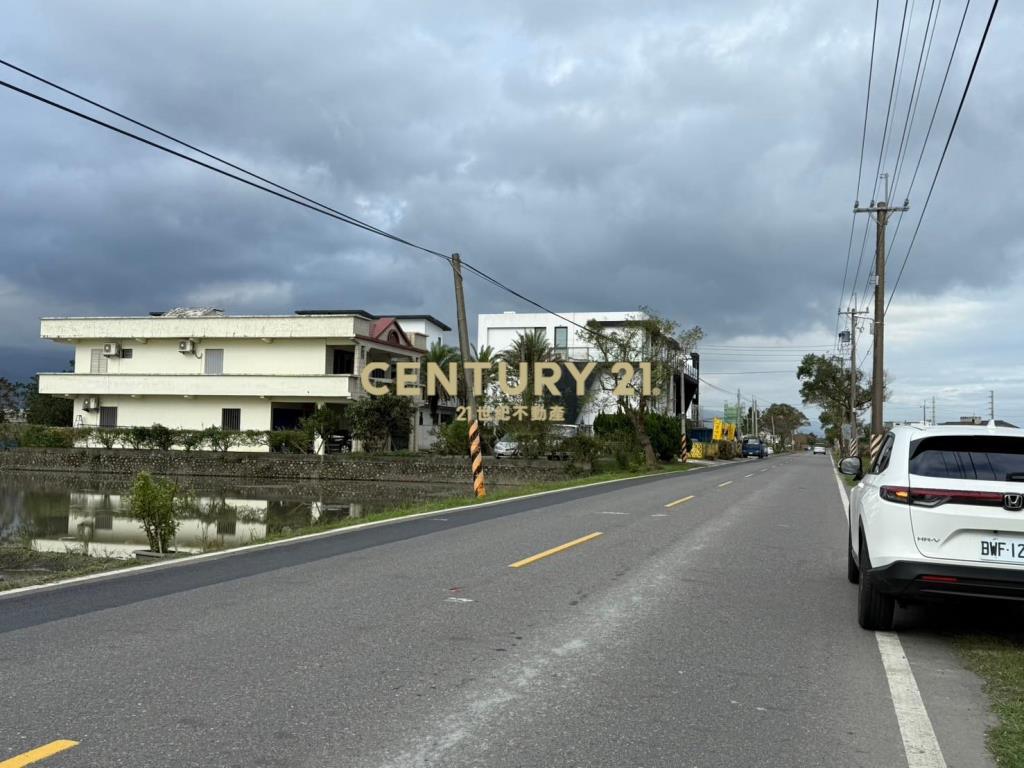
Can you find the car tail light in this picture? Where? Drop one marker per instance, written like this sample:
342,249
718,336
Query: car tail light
934,497
941,579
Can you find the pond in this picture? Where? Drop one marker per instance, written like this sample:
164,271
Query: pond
58,512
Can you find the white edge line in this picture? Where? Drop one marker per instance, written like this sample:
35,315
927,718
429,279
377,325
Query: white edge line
919,742
178,562
842,491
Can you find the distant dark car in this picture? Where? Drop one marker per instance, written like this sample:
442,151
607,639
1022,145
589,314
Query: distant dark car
754,447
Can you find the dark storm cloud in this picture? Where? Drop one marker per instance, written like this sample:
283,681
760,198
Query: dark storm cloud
700,159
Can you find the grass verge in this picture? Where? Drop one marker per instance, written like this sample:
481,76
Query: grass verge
1000,663
21,566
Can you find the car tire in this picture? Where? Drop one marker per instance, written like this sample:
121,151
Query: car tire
874,610
852,569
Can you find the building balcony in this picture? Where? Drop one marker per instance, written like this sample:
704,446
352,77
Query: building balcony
199,385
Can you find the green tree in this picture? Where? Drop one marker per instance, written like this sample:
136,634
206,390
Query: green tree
47,410
441,355
152,503
322,424
648,338
785,420
378,418
10,400
825,383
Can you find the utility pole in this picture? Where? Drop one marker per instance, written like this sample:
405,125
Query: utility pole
924,412
991,404
474,426
882,212
738,410
854,446
934,422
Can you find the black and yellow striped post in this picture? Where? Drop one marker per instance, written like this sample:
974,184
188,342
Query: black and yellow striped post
477,458
876,445
475,452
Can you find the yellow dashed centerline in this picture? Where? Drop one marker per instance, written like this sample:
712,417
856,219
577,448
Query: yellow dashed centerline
545,553
678,501
39,753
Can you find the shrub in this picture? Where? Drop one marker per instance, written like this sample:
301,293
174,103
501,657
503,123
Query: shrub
453,438
727,449
289,441
161,438
219,439
152,503
254,438
38,436
612,423
137,437
107,437
189,439
665,433
582,449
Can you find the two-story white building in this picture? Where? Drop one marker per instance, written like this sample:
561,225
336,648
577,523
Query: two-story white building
499,331
195,368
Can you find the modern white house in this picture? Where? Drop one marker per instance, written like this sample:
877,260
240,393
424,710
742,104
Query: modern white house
196,368
562,330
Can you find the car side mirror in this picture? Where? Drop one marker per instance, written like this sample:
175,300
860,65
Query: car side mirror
852,466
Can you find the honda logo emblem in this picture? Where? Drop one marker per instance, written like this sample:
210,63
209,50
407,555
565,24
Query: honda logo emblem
1013,501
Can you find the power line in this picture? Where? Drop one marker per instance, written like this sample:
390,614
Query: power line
745,373
915,93
860,169
295,197
945,149
317,207
931,122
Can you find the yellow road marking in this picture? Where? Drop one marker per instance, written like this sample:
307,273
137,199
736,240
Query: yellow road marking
727,482
39,753
678,501
545,553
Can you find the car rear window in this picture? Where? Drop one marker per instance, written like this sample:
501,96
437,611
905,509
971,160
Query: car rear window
971,457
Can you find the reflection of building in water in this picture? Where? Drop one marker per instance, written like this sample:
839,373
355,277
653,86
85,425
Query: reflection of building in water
99,525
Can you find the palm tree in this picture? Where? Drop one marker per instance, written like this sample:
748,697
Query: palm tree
442,355
530,347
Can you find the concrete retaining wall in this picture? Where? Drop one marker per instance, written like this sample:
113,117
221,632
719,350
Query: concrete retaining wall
416,468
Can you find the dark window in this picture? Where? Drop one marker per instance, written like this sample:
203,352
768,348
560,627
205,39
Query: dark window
108,416
213,362
226,527
883,454
344,361
126,354
969,457
231,419
104,521
561,336
393,337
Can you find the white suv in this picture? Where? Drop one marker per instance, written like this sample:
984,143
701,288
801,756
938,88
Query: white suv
940,513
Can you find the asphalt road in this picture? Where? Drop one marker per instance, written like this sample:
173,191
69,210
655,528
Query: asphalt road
719,631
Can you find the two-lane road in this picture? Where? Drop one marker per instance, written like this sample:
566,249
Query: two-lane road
691,620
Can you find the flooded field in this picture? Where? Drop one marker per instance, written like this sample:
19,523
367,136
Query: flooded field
90,515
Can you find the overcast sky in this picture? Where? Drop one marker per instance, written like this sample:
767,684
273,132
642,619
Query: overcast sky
700,158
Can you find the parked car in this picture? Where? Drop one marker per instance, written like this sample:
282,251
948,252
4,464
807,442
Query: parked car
939,514
818,449
754,447
504,449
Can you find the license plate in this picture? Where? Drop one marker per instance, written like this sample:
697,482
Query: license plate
1003,550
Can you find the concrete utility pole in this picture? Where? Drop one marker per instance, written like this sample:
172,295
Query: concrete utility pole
934,422
882,212
991,404
854,446
474,426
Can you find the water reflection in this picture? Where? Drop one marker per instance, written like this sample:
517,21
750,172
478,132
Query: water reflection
96,521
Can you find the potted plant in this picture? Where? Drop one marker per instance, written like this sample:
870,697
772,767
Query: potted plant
152,503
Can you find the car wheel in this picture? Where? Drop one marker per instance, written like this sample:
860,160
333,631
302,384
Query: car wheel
852,569
874,610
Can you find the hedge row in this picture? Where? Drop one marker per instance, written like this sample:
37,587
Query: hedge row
157,437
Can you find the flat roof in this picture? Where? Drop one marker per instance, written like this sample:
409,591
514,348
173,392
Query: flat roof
371,316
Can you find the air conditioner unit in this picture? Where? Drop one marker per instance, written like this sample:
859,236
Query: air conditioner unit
91,404
186,346
111,349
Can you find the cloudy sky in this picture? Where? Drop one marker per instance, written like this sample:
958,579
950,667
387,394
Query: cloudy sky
700,158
